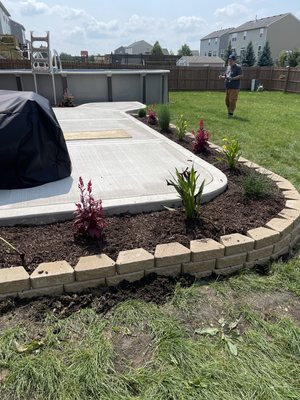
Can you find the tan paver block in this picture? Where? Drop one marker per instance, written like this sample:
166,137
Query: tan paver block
77,287
289,213
13,280
263,237
282,244
206,249
115,280
295,204
285,185
41,292
94,267
250,164
228,270
171,254
236,243
231,261
282,252
264,252
262,261
172,270
199,266
263,171
277,178
281,225
51,274
134,260
291,194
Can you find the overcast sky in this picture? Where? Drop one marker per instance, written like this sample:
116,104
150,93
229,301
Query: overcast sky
102,26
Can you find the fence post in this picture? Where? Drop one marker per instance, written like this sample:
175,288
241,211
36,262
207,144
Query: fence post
286,79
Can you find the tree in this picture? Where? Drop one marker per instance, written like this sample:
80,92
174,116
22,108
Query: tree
227,52
265,59
282,58
184,50
293,58
249,58
65,56
156,49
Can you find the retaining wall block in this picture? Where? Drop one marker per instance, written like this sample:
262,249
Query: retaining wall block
52,274
295,204
41,292
285,185
206,249
291,195
236,260
228,270
115,280
263,237
77,287
94,267
289,213
236,243
282,244
193,268
264,252
259,262
13,280
134,260
171,270
171,254
281,225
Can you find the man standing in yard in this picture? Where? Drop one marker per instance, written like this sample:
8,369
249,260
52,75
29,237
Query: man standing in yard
232,78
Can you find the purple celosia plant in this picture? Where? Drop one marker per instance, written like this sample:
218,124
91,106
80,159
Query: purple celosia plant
89,218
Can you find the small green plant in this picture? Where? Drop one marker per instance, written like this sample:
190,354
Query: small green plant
142,112
227,332
181,127
231,151
185,184
256,186
164,117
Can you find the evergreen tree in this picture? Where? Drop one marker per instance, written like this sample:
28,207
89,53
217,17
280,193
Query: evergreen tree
184,50
265,59
156,49
249,58
228,52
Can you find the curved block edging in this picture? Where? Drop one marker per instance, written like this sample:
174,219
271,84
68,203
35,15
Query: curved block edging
203,258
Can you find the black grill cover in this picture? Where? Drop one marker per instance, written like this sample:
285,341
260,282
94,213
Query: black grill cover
33,150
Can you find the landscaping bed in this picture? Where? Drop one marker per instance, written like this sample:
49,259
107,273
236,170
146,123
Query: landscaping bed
230,212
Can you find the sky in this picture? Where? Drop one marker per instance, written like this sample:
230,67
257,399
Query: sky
100,27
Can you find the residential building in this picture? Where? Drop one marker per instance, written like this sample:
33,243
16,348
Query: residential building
120,50
18,31
281,31
4,20
215,44
200,61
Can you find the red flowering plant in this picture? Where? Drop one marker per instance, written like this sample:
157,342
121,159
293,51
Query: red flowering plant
89,218
152,117
201,139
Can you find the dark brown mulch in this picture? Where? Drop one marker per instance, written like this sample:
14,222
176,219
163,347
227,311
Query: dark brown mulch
228,213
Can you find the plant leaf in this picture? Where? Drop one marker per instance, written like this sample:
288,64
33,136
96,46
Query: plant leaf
207,331
231,347
233,325
169,208
222,322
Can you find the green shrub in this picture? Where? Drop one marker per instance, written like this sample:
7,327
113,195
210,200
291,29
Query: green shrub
164,117
142,112
185,184
181,127
256,186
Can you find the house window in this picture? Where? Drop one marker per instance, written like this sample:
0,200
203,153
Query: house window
261,32
209,42
214,54
245,35
242,52
233,37
222,53
216,40
209,54
259,51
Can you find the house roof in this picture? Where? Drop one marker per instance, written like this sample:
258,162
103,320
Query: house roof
17,23
4,9
217,34
259,23
140,42
202,60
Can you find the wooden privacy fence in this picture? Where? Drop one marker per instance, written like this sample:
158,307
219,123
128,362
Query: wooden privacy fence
193,78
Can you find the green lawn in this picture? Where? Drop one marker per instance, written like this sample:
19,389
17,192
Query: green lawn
235,339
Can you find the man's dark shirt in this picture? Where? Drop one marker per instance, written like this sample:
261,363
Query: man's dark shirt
231,72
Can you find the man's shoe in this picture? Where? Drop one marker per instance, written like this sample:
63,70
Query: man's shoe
230,115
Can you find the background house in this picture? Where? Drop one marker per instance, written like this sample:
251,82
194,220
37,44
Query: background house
4,21
281,31
140,47
18,31
200,61
215,44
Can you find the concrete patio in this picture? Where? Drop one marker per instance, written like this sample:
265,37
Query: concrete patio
128,173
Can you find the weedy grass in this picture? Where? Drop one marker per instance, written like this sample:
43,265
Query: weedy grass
76,359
